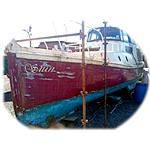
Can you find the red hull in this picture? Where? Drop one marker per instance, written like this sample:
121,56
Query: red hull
37,82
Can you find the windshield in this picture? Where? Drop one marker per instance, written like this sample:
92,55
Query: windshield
94,36
112,33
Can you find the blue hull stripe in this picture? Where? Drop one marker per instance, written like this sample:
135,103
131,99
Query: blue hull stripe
38,115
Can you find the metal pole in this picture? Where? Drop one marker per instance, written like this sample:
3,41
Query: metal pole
29,35
105,78
30,40
83,92
49,37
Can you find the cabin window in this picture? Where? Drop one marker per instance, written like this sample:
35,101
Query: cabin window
126,58
139,56
94,36
128,49
132,41
125,37
119,58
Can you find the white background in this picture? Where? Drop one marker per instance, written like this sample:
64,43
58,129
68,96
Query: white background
130,15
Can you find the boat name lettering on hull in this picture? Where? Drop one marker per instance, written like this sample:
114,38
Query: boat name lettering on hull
35,69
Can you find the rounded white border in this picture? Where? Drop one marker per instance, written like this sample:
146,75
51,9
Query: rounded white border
132,16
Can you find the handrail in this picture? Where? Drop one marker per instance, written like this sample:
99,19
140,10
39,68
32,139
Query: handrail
49,37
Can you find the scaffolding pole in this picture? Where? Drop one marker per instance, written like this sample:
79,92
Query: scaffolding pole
105,77
83,92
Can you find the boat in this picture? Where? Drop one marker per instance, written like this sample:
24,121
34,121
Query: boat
47,80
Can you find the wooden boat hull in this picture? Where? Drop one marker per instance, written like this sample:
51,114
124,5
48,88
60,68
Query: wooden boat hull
41,88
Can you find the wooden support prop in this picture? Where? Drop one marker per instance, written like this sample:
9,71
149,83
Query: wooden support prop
84,121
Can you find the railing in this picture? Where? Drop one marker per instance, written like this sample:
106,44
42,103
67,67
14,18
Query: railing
50,37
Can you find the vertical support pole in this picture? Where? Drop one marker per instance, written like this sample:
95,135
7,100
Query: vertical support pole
83,92
105,78
29,32
30,40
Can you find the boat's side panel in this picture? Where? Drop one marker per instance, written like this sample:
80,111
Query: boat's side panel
36,82
39,115
14,82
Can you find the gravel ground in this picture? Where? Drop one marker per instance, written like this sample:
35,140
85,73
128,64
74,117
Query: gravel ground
118,112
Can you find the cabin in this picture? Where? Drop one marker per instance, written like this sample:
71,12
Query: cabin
117,39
